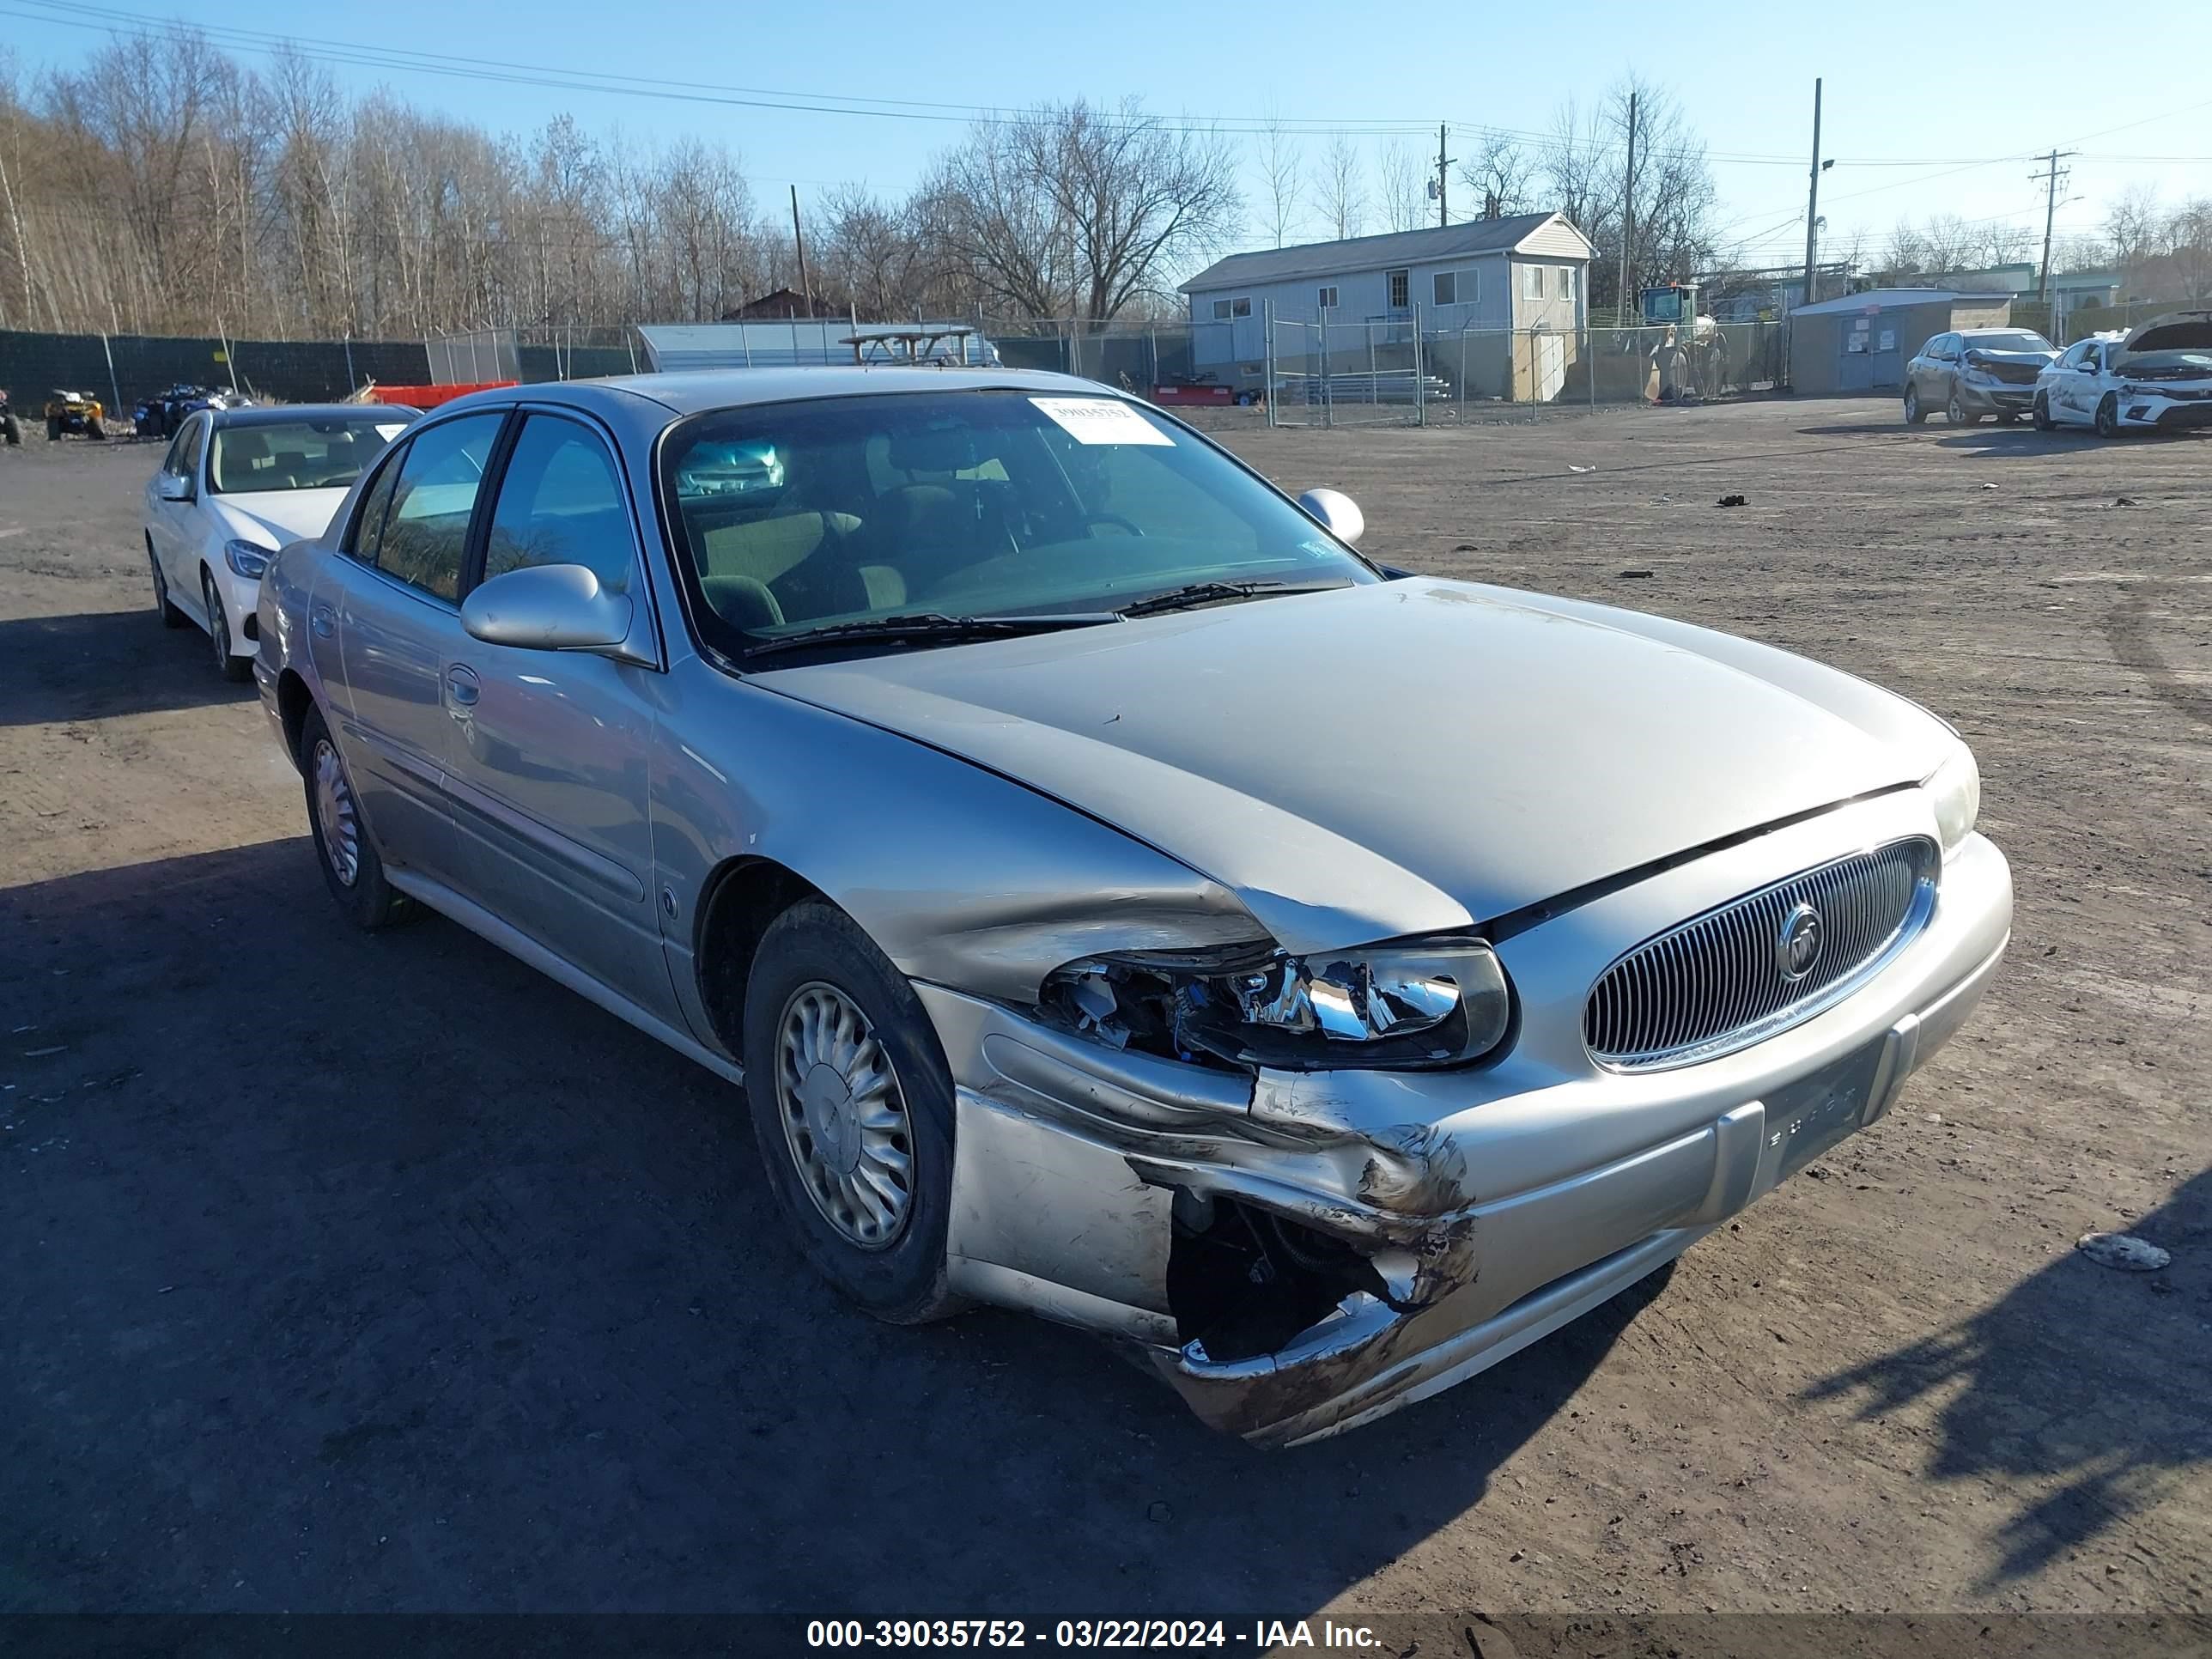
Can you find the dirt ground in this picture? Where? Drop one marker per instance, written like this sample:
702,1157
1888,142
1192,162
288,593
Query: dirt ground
353,1274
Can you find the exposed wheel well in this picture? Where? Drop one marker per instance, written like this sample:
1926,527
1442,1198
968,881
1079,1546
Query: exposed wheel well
740,900
294,700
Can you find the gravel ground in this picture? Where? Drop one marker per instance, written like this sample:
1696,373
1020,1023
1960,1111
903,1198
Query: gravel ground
380,1274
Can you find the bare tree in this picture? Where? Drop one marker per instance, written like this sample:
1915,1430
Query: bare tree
1281,161
1135,194
1340,188
2133,222
1501,176
1406,174
1670,201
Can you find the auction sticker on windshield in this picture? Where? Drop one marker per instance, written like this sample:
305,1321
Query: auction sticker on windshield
1102,421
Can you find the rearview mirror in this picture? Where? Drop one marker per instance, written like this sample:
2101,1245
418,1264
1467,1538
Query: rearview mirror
547,607
171,488
1337,513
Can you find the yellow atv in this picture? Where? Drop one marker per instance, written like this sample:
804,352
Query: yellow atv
73,411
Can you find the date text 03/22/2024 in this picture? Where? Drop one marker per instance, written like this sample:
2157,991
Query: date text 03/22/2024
1257,1635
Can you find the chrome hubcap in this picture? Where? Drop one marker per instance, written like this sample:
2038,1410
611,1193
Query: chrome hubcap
844,1116
334,816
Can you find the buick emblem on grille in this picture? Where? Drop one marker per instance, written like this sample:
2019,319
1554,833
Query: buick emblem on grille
1799,946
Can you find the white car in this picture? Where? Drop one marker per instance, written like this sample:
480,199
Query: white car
235,486
2157,377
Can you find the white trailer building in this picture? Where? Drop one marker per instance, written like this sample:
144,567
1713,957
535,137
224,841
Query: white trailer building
1525,272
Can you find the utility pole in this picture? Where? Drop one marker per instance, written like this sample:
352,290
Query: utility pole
1443,175
2051,174
799,242
1627,213
1813,201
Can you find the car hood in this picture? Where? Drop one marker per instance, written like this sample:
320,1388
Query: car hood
2180,331
281,515
1400,758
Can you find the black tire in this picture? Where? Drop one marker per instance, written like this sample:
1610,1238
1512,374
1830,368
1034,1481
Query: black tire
171,616
812,946
53,428
1956,412
366,898
2042,420
235,669
2008,420
2108,416
1914,414
11,429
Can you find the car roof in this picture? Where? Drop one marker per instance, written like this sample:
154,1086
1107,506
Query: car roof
694,391
278,414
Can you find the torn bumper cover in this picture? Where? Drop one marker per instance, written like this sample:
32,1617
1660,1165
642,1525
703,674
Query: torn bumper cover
1406,1230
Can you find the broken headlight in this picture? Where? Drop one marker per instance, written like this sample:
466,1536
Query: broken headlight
1402,1006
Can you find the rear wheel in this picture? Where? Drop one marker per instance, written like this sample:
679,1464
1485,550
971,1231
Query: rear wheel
351,869
235,669
1914,414
852,1104
2108,416
2042,420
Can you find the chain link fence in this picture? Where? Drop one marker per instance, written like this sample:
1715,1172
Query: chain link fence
534,354
1400,372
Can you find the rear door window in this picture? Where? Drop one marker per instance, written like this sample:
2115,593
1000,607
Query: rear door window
434,498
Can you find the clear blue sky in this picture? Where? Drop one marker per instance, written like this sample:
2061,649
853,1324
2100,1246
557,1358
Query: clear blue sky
1909,87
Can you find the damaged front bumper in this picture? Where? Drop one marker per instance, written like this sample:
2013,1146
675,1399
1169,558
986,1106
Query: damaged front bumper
1445,1220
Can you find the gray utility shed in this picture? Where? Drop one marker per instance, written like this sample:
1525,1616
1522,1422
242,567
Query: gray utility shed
1522,272
1862,342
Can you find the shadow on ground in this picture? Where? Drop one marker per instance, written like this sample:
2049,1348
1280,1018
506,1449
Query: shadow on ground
2113,1434
354,1272
104,664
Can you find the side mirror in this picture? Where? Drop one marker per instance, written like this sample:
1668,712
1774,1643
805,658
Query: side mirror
1339,513
173,488
547,607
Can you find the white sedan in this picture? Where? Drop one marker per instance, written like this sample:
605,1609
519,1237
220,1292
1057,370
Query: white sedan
2157,377
235,486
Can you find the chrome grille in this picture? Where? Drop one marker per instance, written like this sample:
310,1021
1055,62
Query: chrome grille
1716,983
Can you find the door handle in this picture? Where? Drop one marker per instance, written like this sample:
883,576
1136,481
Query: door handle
323,620
461,686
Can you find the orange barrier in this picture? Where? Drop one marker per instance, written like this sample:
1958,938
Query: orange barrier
429,397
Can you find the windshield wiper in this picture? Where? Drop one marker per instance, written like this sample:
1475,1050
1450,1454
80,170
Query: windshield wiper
1198,593
926,627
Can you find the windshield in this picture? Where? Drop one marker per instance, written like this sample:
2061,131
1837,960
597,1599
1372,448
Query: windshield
2017,340
319,452
989,503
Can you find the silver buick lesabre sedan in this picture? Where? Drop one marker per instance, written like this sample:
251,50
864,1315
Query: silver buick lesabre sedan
1117,897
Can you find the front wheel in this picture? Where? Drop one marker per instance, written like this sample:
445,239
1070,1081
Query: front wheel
2042,420
351,869
1956,412
232,667
852,1103
171,616
2108,416
1914,414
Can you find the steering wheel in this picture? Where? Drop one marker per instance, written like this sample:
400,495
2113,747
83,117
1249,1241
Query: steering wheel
1115,519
